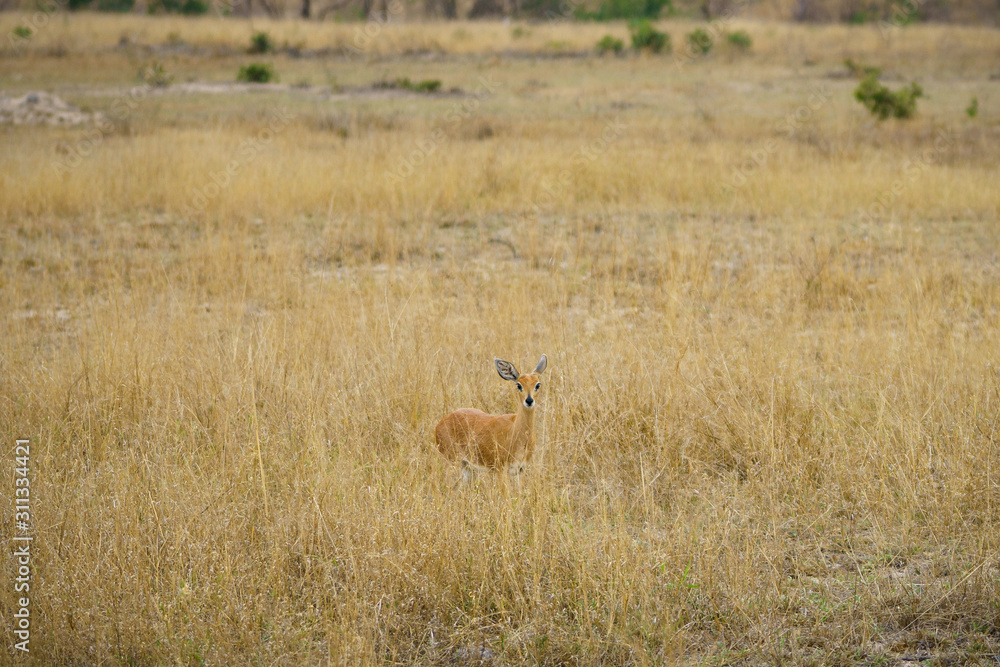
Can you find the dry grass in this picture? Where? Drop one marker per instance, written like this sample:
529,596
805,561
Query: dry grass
770,425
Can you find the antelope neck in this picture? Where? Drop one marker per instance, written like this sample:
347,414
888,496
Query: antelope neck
523,420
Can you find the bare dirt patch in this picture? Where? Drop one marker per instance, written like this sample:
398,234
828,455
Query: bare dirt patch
41,108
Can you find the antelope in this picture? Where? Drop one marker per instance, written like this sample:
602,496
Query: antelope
494,442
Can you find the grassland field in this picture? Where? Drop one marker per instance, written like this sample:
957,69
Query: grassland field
233,314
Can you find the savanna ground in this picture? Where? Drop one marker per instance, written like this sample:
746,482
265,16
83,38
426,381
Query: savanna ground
769,428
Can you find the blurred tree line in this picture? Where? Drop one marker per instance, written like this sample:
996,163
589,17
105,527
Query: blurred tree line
897,12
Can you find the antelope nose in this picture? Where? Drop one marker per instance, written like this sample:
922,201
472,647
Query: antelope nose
529,401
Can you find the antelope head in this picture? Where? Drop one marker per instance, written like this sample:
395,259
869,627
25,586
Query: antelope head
528,386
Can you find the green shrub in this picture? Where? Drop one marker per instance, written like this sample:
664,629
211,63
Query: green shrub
120,6
646,37
22,32
609,44
260,43
885,103
610,10
187,7
426,86
194,8
739,40
256,73
75,5
973,109
404,83
700,41
155,75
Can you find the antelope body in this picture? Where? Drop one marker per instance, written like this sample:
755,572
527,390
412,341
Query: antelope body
494,442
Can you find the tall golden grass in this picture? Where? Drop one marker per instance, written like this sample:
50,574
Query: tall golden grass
770,424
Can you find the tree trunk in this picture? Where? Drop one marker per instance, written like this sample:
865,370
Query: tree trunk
305,9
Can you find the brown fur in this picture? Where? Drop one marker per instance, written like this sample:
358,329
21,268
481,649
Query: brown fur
497,442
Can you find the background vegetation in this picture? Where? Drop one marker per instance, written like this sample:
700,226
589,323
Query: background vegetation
895,12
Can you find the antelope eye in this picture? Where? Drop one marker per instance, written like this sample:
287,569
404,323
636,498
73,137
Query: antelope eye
519,387
538,386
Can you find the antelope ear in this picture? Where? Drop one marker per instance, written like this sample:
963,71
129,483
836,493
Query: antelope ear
542,363
506,370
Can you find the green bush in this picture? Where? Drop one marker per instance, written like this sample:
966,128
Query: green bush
646,37
700,41
426,86
609,44
194,8
155,75
973,109
404,83
610,10
74,5
260,43
22,32
885,103
187,7
739,39
120,6
256,73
